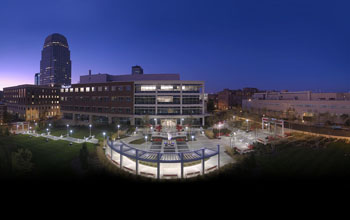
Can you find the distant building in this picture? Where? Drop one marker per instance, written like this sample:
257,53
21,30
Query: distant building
55,64
136,70
2,112
1,95
31,102
305,105
227,99
37,79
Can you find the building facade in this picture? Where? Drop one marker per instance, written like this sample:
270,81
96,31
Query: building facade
170,102
55,64
31,102
135,99
98,103
306,105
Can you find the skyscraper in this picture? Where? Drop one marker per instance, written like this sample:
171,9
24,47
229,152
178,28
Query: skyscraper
37,79
55,64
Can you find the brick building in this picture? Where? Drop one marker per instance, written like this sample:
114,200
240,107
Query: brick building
32,102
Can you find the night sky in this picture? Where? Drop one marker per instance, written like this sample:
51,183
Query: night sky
281,44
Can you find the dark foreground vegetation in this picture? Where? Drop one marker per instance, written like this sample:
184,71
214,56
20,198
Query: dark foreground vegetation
300,161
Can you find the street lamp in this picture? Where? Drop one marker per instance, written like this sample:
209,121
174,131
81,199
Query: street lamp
90,126
30,129
192,137
146,137
67,130
219,125
47,130
186,132
155,121
118,126
104,138
71,131
247,124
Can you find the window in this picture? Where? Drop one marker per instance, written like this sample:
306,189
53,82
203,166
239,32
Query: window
92,89
168,110
76,89
106,88
82,89
100,88
145,99
128,88
87,89
144,110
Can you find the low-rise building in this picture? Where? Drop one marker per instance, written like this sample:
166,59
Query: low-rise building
227,99
32,102
134,98
305,105
98,103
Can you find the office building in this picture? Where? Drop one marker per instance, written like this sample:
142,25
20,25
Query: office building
55,64
160,98
31,102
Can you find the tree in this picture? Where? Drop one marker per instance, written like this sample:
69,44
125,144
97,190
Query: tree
7,132
21,161
84,156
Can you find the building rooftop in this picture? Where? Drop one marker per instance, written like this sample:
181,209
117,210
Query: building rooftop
101,78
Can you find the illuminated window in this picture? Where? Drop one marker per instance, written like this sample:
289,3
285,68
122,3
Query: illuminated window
87,89
82,89
146,88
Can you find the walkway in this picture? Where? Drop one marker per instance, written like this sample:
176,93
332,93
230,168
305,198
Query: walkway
70,139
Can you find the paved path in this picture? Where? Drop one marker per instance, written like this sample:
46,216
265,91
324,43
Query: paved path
70,139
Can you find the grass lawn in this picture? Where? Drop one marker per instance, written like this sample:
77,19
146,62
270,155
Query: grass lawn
50,159
305,161
138,141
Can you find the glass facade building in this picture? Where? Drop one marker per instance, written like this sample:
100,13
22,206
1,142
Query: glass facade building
55,64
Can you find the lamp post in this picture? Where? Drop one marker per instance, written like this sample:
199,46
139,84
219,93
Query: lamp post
155,122
71,132
146,137
67,130
90,126
118,126
104,139
247,124
47,130
30,129
186,132
219,125
192,137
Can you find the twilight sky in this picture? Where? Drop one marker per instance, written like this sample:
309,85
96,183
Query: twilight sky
270,44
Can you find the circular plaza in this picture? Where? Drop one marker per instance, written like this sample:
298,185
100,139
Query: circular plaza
167,153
